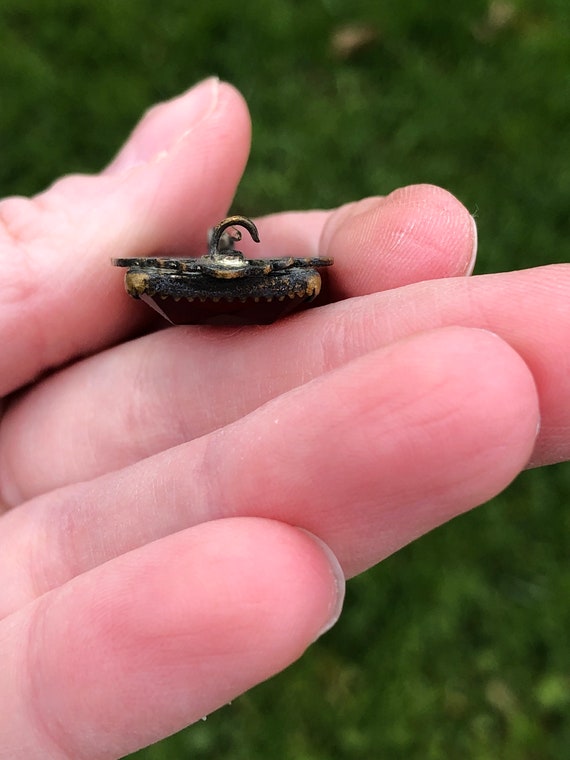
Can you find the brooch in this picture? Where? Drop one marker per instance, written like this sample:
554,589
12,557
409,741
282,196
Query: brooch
223,280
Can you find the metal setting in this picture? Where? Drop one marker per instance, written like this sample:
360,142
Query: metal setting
224,274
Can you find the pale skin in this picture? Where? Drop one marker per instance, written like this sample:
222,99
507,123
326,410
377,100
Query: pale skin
180,507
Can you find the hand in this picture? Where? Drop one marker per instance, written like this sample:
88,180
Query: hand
163,490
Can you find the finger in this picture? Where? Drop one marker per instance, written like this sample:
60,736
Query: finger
173,630
174,386
183,383
59,295
367,457
416,233
420,232
164,125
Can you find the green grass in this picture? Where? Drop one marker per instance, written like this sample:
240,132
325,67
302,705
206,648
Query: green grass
457,646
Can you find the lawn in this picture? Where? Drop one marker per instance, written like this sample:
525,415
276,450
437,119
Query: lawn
456,646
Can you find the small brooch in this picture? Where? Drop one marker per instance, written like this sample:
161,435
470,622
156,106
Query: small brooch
223,280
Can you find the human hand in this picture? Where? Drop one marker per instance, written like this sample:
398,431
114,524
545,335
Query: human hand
152,560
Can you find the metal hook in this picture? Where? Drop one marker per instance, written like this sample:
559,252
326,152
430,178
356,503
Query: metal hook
231,221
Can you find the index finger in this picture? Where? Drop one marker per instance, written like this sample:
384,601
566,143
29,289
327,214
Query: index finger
176,176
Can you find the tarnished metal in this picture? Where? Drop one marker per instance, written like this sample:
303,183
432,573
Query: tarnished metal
224,274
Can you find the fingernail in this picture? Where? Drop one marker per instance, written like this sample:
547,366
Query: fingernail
473,259
339,584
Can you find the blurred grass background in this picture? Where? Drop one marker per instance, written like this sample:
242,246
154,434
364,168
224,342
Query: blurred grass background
457,646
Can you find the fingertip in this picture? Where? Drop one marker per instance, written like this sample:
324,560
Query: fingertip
338,583
195,150
167,123
174,629
480,395
483,396
401,439
445,227
505,379
418,232
251,585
